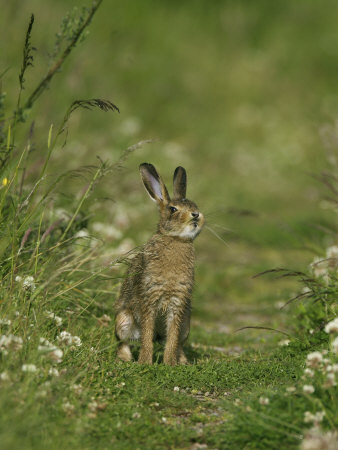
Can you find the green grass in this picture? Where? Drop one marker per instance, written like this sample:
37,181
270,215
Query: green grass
243,95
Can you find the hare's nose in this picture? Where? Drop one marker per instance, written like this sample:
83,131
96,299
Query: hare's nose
195,215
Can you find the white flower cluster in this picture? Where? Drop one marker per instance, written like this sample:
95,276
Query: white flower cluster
28,282
67,339
332,327
314,418
29,368
316,439
264,401
321,267
57,319
52,352
10,343
315,361
5,322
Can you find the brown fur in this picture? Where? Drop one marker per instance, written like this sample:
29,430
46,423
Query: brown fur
155,298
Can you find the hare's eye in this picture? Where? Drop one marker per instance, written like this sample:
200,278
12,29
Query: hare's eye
172,209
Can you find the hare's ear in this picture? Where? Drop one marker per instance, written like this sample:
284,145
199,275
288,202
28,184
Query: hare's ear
180,183
154,184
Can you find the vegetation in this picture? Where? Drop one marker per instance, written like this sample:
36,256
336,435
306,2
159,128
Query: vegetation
242,94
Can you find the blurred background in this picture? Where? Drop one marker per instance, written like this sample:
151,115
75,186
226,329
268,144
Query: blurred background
243,94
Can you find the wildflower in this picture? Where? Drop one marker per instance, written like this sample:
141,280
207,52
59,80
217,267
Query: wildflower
82,234
68,407
76,388
264,401
136,415
53,372
67,339
237,402
18,278
332,327
332,252
164,419
309,372
176,389
4,376
290,389
316,439
28,283
56,355
10,343
308,389
314,359
29,368
284,342
5,322
314,418
335,345
330,380
319,267
57,319
5,181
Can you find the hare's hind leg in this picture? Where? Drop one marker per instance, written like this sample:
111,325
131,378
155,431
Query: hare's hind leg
125,329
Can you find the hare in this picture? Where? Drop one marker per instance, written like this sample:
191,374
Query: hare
155,297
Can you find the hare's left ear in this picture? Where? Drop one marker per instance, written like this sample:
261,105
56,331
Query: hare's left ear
180,183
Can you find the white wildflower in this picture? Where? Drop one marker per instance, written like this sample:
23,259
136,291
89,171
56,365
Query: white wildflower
176,389
308,389
5,322
68,407
77,389
309,372
314,359
4,376
164,419
314,418
290,389
18,278
57,319
330,380
53,372
136,415
332,252
29,368
284,342
28,283
316,439
10,343
82,234
332,327
67,339
264,401
55,355
335,345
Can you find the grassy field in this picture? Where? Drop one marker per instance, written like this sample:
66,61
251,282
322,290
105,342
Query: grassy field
244,95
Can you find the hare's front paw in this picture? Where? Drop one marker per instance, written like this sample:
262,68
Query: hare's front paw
170,359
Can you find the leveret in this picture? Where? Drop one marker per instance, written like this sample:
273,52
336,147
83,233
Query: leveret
155,297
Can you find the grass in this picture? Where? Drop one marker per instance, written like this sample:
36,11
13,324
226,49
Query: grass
244,96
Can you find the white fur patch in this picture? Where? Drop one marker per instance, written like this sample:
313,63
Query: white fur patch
189,231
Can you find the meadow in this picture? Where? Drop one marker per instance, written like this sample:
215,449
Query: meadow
244,95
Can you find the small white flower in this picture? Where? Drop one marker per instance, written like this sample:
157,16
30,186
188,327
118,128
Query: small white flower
330,380
136,415
332,252
28,283
314,359
67,339
82,234
164,419
29,368
284,342
53,372
176,389
264,401
5,322
309,372
4,376
77,341
56,355
332,327
10,343
18,278
77,389
314,418
290,389
57,319
308,389
335,345
68,407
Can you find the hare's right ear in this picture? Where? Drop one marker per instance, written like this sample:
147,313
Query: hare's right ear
180,183
154,184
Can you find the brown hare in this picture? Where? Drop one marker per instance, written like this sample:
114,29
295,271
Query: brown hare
155,298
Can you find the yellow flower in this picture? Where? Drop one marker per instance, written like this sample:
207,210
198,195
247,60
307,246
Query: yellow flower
5,181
